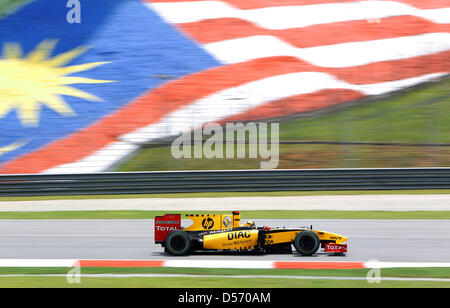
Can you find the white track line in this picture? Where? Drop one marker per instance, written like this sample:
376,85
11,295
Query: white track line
38,262
405,264
220,264
225,276
243,264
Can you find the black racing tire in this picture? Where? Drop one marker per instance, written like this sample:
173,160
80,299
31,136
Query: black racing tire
306,243
178,243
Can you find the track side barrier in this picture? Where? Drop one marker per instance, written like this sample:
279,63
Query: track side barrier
116,183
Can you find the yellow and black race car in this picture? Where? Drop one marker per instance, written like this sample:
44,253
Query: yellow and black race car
217,232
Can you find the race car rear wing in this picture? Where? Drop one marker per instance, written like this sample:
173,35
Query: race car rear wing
200,222
166,224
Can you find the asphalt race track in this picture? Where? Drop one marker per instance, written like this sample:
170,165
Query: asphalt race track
383,240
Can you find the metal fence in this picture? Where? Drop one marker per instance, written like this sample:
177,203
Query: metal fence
224,181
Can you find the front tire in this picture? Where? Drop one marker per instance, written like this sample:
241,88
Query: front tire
306,243
178,243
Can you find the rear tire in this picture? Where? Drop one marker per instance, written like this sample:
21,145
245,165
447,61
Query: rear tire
306,243
178,243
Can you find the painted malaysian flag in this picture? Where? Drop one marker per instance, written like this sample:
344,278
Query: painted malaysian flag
162,67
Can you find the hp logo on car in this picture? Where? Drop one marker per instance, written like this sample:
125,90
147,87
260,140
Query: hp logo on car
207,223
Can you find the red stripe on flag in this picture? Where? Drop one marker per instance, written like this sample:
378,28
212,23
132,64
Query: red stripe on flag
392,70
426,4
318,35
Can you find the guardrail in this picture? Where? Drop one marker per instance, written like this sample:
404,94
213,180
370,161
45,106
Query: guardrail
224,181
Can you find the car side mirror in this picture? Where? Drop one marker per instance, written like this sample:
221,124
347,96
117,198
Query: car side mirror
250,223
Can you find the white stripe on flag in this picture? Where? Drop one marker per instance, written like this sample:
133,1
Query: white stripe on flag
338,55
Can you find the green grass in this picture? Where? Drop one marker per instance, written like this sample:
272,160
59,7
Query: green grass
207,282
204,281
9,6
233,194
402,118
418,116
390,272
438,215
